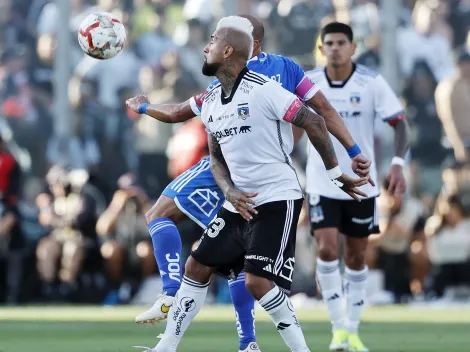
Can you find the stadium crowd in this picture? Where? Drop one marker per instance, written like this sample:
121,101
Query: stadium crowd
72,224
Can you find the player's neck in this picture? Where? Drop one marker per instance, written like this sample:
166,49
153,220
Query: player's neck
228,74
341,73
256,53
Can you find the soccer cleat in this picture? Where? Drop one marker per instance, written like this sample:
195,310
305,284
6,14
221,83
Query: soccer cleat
158,312
355,344
339,342
252,346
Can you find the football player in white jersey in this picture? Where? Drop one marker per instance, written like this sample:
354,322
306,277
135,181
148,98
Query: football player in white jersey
361,97
248,117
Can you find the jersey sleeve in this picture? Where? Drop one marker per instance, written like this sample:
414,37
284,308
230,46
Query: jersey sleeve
305,88
386,103
276,102
196,101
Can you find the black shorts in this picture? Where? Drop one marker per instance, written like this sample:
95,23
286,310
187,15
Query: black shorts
265,246
351,218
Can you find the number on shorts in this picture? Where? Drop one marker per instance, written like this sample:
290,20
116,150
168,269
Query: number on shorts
215,227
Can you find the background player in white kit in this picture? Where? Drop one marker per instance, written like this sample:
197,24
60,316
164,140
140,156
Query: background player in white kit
248,119
360,96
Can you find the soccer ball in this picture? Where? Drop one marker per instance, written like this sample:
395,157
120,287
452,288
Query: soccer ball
101,35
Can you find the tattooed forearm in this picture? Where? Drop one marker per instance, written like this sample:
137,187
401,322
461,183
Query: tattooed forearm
218,166
402,138
315,127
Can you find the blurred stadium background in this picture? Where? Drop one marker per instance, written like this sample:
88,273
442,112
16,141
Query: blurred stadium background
71,154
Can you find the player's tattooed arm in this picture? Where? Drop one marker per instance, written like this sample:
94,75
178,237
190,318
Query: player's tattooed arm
315,127
168,113
218,166
241,201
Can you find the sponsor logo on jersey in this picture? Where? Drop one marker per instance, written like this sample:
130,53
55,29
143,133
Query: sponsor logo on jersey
232,131
245,129
259,257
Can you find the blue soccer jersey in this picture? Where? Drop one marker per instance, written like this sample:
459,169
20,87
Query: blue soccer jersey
195,192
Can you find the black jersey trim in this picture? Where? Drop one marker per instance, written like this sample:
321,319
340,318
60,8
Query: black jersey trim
255,76
226,100
254,81
332,85
286,157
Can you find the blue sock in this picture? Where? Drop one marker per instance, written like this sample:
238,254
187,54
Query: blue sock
166,242
244,304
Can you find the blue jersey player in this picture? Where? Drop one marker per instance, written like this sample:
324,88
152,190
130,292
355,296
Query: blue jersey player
195,194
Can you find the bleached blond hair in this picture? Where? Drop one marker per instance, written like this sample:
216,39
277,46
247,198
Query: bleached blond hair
240,24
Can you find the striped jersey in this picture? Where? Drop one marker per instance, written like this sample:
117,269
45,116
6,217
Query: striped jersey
361,100
253,128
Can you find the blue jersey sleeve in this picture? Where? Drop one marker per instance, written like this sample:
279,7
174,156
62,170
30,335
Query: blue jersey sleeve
305,89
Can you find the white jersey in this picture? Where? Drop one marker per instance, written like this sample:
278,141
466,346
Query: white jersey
364,97
253,130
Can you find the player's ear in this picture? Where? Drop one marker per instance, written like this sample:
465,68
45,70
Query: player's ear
353,48
228,50
320,47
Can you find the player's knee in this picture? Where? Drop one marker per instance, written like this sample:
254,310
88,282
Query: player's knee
355,260
327,248
328,252
165,207
257,286
197,271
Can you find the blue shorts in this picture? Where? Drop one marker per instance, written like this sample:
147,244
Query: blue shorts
196,194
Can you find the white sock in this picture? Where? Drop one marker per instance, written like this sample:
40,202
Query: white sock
282,313
355,289
188,302
329,279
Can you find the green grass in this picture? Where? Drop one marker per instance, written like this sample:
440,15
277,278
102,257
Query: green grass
96,329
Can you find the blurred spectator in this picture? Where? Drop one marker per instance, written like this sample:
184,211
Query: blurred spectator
453,105
428,40
401,221
187,146
297,23
459,20
126,245
12,241
364,20
426,131
449,242
70,217
152,45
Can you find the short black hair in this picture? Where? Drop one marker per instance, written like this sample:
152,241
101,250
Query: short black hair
258,28
337,27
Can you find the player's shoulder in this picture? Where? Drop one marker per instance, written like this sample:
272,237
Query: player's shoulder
212,91
366,72
214,84
316,74
257,78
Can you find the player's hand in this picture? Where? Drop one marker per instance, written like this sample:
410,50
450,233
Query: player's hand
242,202
133,103
361,167
349,185
396,179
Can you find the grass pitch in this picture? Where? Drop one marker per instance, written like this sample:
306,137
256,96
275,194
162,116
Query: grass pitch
98,329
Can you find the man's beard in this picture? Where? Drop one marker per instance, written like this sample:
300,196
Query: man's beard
210,69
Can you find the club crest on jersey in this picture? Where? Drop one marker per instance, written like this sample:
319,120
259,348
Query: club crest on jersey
316,214
243,112
355,99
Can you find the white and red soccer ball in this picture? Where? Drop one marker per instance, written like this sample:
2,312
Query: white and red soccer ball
101,35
